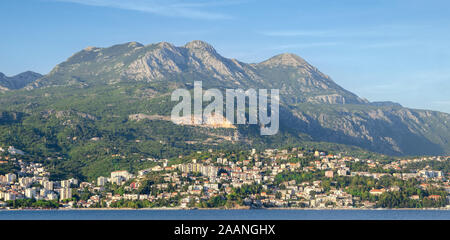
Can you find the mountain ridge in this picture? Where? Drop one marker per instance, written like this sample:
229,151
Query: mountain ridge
313,106
197,59
18,81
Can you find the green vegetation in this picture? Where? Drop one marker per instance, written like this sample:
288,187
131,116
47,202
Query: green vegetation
76,120
32,203
443,166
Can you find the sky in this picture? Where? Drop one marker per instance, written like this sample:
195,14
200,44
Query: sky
382,50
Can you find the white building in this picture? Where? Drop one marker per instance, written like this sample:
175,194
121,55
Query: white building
73,181
25,181
124,174
65,193
13,151
101,181
48,185
10,196
52,196
342,172
65,183
430,173
43,192
10,177
30,193
118,180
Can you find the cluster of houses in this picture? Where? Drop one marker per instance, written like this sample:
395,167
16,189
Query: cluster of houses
219,175
201,179
32,182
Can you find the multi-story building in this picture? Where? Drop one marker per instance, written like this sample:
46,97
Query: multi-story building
65,193
51,196
65,183
30,193
101,181
10,196
48,185
10,178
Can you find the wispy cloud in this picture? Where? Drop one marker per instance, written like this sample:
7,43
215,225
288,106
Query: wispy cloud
390,44
325,33
304,45
298,33
172,8
373,31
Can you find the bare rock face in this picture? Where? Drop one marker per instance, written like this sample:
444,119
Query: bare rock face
297,80
200,46
288,60
159,60
312,103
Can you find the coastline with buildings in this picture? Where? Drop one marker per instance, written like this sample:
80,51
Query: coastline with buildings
270,179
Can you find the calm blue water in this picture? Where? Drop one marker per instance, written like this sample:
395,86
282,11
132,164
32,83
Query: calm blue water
225,215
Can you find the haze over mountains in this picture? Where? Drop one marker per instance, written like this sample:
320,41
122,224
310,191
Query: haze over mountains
98,88
18,81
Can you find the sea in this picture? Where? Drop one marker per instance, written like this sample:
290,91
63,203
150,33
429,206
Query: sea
263,214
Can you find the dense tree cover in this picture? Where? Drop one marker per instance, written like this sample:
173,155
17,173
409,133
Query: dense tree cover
7,168
360,187
402,200
246,190
147,186
32,203
214,202
303,161
83,194
347,150
146,203
85,132
231,200
73,144
358,167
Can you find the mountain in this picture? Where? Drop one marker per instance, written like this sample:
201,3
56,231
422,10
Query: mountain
297,80
385,103
18,81
106,102
135,62
301,82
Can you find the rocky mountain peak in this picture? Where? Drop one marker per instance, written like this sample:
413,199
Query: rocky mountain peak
312,105
135,44
200,45
165,45
90,48
285,59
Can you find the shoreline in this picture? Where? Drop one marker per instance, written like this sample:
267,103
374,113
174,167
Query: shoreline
232,209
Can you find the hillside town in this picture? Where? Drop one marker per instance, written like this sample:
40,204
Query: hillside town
272,178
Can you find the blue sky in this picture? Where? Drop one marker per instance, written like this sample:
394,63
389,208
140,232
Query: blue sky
379,49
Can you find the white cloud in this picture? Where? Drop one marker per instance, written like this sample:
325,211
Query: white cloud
171,8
